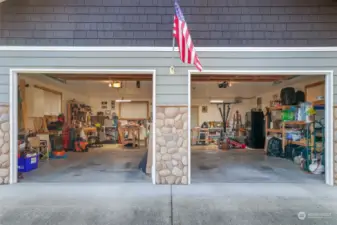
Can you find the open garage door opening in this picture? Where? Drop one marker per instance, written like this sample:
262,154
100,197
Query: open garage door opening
84,127
263,128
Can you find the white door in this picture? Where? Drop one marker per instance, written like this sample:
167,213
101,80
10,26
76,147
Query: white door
194,116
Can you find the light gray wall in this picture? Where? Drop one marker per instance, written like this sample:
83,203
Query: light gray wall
149,22
171,89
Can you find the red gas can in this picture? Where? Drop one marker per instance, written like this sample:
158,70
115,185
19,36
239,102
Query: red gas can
66,138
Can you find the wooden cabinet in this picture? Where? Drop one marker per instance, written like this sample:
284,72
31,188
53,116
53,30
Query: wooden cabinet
35,102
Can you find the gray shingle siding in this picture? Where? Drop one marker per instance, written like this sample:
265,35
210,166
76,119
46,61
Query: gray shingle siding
149,22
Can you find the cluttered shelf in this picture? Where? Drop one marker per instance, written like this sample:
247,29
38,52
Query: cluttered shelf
295,122
274,130
279,107
300,142
206,136
318,103
298,133
294,127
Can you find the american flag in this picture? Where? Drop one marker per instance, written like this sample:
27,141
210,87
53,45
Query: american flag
184,39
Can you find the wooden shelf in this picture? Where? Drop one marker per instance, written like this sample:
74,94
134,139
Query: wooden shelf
318,135
295,122
281,107
318,103
274,130
283,131
301,142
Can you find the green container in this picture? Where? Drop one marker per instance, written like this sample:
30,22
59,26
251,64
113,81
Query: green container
288,115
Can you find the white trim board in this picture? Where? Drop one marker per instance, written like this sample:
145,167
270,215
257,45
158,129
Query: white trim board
13,107
329,152
166,49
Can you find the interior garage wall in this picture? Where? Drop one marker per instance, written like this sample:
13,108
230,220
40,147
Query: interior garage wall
102,92
95,103
298,85
67,91
213,113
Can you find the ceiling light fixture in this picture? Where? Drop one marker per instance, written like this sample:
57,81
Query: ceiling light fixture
117,84
216,101
123,100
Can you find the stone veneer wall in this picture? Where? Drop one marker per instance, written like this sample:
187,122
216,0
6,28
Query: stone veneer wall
4,144
171,145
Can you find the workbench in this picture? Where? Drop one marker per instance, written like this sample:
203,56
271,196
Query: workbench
133,131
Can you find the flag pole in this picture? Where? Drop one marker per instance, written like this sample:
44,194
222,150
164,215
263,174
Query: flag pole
172,65
173,43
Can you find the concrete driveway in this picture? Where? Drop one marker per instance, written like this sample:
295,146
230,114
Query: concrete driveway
140,204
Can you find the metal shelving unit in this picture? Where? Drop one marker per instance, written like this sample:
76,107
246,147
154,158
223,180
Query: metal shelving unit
283,130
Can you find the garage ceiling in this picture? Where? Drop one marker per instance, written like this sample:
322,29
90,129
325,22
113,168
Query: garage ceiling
248,89
103,77
239,78
195,78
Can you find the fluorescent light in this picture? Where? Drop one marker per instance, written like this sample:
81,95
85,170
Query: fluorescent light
117,84
216,101
123,100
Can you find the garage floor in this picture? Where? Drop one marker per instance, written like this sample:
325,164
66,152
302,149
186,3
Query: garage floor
246,166
208,166
97,165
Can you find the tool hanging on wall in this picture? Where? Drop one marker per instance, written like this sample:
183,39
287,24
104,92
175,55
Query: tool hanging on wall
224,114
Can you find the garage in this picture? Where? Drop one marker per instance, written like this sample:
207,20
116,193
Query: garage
267,127
171,99
84,127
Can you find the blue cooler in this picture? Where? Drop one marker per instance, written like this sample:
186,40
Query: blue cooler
28,163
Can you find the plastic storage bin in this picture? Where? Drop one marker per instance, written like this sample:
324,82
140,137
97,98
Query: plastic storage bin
28,163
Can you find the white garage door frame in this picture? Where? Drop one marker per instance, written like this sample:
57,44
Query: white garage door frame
13,105
329,156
